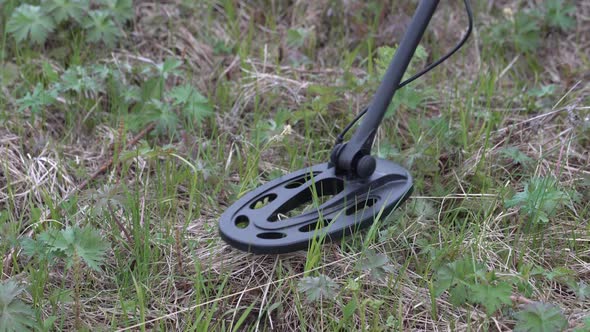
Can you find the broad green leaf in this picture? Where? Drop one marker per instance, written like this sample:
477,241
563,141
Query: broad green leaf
85,242
103,72
540,317
560,14
108,195
316,288
543,91
527,32
37,100
492,296
47,324
410,97
184,93
101,28
120,10
47,239
559,273
194,105
78,79
581,289
31,247
296,37
164,117
516,155
131,94
62,10
169,67
540,199
30,21
456,277
376,264
14,314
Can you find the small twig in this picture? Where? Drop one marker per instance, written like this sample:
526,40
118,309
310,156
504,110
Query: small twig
508,67
109,162
119,146
520,299
121,226
558,166
179,250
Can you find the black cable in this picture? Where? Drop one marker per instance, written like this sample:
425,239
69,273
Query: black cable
428,68
448,55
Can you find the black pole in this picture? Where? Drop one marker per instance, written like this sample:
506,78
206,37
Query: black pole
349,155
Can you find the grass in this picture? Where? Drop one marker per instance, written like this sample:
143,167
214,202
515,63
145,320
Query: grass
497,140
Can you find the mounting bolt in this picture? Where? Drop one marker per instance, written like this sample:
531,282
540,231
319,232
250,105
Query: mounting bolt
366,166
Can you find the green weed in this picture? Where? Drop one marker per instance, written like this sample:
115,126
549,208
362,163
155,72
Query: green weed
167,112
540,317
15,315
101,24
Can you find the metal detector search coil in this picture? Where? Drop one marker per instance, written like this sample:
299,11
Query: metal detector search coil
347,193
354,204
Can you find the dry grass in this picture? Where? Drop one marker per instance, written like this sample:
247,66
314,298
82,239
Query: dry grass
190,263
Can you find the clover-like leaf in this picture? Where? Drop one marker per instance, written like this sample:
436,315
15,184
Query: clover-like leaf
29,21
376,264
317,288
